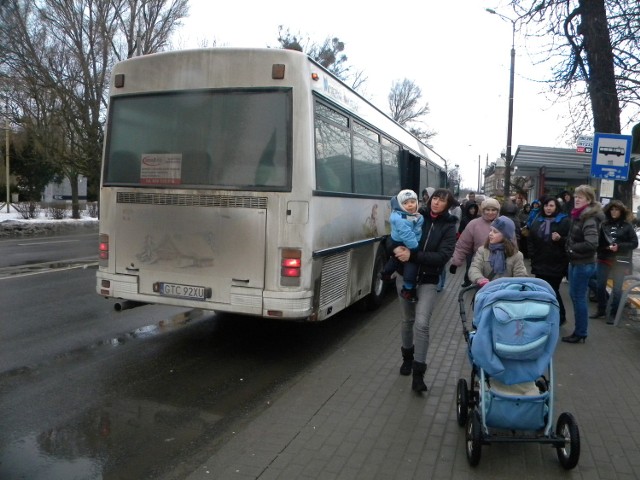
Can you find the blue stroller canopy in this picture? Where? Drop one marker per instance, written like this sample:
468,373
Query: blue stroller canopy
517,329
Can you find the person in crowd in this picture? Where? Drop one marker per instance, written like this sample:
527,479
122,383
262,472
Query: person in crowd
510,209
473,237
471,198
499,256
567,202
616,244
519,203
406,230
535,211
426,193
581,246
434,251
523,216
469,212
546,242
456,211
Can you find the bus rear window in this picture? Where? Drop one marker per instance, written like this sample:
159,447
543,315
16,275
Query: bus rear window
205,139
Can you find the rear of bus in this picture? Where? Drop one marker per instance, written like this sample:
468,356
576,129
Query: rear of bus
198,206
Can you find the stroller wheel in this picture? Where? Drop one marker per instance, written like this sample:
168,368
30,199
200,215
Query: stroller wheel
567,428
462,402
474,440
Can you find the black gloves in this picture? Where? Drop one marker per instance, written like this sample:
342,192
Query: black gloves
452,269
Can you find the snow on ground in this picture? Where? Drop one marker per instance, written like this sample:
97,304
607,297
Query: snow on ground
13,215
12,224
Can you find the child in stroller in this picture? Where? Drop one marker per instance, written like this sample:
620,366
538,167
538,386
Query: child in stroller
511,352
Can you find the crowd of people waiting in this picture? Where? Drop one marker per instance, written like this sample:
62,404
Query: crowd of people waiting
568,236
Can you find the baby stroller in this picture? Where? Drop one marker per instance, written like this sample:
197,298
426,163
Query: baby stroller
510,394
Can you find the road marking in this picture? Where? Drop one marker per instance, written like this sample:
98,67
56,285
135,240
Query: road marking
47,243
43,269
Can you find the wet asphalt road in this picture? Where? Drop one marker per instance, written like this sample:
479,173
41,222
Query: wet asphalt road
88,393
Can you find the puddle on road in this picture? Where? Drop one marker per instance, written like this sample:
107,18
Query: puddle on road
107,442
163,326
25,459
113,440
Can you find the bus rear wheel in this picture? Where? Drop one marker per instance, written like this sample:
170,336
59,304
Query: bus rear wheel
378,286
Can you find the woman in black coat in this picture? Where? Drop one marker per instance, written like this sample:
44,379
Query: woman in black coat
469,212
616,244
434,251
546,247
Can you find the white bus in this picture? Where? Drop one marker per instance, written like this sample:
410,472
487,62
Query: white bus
249,181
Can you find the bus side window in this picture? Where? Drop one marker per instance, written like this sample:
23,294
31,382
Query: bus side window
333,157
195,168
123,167
367,166
390,173
334,175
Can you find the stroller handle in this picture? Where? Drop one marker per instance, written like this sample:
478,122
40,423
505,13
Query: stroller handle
463,313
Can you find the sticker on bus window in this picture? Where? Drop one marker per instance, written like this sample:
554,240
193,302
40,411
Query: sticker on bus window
161,169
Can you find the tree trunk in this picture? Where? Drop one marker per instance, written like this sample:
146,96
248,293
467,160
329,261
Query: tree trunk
602,81
75,204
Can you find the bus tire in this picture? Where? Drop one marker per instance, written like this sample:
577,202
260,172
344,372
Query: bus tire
378,287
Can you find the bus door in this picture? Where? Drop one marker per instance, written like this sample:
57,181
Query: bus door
410,171
201,253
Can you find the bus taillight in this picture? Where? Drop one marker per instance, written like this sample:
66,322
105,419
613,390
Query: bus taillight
103,254
290,266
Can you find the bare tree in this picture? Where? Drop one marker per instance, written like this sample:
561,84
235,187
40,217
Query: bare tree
521,185
405,108
145,26
58,62
595,50
329,53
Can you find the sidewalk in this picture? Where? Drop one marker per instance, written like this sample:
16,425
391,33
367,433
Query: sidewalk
354,417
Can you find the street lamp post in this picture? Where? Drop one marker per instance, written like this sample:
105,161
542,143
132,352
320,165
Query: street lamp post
507,160
6,138
479,175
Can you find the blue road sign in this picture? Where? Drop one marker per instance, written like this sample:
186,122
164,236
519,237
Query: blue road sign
611,156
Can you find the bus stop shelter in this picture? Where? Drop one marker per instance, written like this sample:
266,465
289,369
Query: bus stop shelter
551,170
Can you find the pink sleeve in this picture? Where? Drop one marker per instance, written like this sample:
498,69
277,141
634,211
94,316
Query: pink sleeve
464,247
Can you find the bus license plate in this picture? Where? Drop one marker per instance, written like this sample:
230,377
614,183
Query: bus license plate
182,291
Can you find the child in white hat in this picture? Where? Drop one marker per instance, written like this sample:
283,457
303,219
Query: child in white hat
406,230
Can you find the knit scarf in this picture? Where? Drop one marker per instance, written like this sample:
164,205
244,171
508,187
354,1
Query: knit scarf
545,228
497,258
575,213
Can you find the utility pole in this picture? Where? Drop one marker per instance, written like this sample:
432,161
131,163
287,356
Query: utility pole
6,138
508,158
